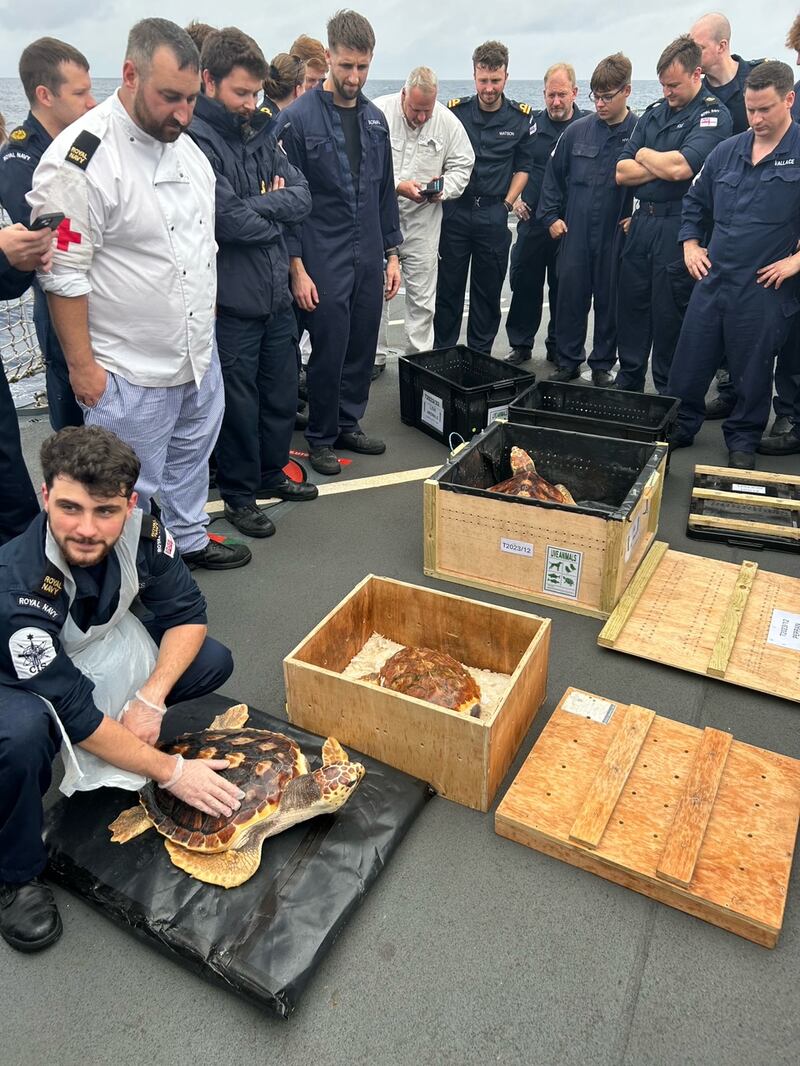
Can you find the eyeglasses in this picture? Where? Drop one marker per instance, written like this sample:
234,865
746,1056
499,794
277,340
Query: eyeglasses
606,98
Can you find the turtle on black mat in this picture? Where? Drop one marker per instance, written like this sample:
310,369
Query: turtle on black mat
280,791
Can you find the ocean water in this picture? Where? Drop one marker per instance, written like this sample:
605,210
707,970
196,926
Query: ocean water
14,106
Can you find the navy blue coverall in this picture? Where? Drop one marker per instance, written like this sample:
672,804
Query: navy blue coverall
256,328
654,285
18,503
342,245
732,94
19,159
755,212
535,252
580,188
33,597
475,226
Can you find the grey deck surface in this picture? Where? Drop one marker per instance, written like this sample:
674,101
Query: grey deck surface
470,948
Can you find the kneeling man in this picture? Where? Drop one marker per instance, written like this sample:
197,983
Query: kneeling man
78,667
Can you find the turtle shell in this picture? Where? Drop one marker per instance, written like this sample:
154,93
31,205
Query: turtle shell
431,675
261,763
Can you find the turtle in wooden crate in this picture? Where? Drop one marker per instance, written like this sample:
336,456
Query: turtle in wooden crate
279,788
524,481
430,675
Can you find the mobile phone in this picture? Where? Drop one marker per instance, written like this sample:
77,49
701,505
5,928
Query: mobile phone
52,221
433,188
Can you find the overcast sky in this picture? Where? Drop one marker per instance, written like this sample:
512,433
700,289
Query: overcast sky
438,33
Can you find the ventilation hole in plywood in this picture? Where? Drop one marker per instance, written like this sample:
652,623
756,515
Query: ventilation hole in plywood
655,835
742,868
749,834
666,805
685,751
633,793
677,777
563,766
574,740
763,777
655,741
644,764
549,793
621,822
758,805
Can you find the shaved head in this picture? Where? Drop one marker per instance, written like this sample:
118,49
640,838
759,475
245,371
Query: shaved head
715,25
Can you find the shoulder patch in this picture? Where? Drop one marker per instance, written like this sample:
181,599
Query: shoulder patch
151,528
165,545
267,111
82,149
454,102
32,650
52,583
19,134
524,108
35,604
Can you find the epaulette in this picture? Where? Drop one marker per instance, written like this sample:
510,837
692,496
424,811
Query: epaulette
151,528
524,108
266,111
655,103
82,149
710,100
458,100
52,583
18,135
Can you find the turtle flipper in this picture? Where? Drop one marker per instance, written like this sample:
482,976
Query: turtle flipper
233,718
129,824
333,752
225,868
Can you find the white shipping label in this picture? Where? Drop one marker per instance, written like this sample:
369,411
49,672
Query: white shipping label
562,572
516,547
495,413
784,630
586,706
633,535
760,490
432,413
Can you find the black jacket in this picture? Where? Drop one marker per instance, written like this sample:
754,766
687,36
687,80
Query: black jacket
252,264
12,282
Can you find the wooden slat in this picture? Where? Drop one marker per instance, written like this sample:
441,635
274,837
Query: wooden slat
429,490
685,838
735,526
740,476
599,804
729,629
749,498
616,623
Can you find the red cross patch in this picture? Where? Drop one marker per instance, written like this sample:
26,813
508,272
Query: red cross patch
65,236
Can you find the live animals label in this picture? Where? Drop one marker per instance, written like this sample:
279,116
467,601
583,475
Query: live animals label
496,414
432,413
516,547
784,630
586,706
562,572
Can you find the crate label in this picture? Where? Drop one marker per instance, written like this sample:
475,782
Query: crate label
496,413
432,413
784,630
633,536
516,547
760,489
562,572
586,706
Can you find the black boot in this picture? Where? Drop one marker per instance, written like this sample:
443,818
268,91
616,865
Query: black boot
29,918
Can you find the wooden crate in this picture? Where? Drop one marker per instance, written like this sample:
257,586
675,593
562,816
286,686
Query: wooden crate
734,622
464,758
745,507
576,558
687,816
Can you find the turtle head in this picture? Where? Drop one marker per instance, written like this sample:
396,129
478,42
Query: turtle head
320,792
337,782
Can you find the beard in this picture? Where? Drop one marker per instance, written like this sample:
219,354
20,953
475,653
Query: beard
166,131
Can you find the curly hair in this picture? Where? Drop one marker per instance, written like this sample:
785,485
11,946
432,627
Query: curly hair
93,456
490,54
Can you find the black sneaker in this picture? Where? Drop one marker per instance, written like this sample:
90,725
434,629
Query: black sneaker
601,379
293,491
779,427
518,354
29,918
249,520
324,461
742,460
360,442
783,444
719,407
566,373
216,556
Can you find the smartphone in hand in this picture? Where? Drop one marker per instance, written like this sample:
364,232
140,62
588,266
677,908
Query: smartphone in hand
51,221
433,188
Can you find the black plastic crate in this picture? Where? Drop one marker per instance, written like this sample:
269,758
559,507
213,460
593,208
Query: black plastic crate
605,475
456,390
603,412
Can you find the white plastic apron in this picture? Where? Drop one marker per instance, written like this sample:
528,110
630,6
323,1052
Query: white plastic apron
118,657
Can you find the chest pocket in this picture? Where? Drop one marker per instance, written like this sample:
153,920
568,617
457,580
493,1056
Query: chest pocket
779,195
726,192
430,159
377,144
582,164
323,163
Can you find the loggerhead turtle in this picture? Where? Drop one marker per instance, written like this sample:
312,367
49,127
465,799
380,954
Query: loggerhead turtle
280,790
526,482
430,675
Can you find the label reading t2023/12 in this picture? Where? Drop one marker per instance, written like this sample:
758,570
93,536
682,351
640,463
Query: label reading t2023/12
516,547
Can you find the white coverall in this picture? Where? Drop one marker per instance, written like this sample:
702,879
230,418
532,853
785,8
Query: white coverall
439,147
